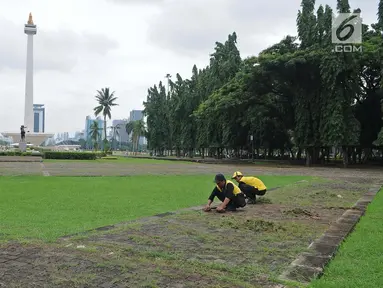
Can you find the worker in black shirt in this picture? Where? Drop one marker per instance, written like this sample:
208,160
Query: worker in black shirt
229,194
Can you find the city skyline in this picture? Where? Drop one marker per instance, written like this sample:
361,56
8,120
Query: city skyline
134,115
123,137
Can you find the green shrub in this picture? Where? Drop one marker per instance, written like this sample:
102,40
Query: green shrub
101,154
19,153
70,155
41,149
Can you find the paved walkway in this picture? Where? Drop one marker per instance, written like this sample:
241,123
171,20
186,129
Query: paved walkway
22,159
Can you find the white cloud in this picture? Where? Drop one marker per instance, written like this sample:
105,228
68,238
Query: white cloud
192,27
137,2
54,49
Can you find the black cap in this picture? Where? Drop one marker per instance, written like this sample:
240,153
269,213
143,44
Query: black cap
219,178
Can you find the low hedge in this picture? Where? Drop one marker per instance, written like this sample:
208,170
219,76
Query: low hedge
71,155
19,153
63,155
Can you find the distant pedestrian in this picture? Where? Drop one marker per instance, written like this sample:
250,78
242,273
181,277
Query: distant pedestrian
22,133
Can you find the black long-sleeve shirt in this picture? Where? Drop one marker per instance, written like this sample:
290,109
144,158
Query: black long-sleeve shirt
227,192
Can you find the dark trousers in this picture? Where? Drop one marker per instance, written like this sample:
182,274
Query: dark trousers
238,201
252,192
260,192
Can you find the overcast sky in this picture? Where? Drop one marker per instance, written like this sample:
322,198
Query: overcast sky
84,45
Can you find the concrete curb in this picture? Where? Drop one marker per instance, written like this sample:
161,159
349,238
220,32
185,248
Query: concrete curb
311,264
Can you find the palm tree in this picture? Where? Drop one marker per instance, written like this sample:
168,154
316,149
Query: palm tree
106,101
129,129
115,134
138,129
94,134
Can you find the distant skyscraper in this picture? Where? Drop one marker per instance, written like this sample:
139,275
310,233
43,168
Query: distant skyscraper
123,135
39,118
136,115
79,135
88,124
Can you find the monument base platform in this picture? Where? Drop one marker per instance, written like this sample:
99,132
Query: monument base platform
23,146
36,139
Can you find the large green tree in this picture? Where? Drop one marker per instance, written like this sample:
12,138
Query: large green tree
297,96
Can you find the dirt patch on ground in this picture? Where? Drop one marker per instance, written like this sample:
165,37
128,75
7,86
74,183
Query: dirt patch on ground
301,212
248,248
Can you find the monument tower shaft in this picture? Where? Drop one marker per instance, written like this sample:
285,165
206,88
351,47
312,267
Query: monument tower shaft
27,135
30,29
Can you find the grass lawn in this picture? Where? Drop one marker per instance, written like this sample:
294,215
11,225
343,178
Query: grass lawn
359,262
46,208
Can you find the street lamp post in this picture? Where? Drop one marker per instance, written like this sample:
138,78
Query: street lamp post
119,135
168,76
252,147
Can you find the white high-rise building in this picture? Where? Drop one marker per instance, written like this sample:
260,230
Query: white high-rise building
39,118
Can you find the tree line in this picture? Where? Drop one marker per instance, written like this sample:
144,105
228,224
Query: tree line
297,98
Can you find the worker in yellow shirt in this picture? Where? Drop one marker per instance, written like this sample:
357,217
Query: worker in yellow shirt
229,194
250,186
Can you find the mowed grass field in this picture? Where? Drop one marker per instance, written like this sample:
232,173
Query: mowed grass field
359,262
45,208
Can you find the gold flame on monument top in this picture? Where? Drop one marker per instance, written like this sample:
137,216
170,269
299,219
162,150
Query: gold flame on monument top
30,19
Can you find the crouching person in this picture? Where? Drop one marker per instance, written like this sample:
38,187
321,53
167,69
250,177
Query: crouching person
229,194
250,186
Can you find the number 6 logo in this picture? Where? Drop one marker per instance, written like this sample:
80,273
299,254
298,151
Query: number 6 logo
347,29
343,26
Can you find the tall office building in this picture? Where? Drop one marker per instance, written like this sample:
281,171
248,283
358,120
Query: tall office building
123,136
136,115
66,136
39,118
